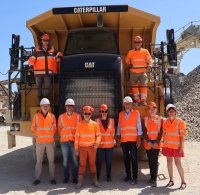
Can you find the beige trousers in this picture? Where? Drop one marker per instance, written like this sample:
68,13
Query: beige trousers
40,149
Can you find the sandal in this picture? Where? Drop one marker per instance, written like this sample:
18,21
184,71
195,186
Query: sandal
171,183
183,186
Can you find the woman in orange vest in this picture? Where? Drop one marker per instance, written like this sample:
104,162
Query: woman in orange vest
44,128
66,127
87,139
105,149
174,131
152,134
139,59
44,63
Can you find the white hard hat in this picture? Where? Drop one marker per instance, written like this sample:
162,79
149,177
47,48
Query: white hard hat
170,106
44,101
69,101
127,99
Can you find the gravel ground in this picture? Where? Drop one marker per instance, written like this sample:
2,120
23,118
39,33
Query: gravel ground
17,172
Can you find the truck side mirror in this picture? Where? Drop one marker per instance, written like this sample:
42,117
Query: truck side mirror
14,52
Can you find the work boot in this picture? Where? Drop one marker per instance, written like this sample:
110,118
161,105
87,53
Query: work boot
80,182
94,181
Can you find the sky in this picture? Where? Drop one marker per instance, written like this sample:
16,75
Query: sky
173,14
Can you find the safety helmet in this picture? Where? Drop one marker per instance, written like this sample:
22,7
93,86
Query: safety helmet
45,37
103,107
170,106
138,38
151,104
127,99
44,101
88,109
69,102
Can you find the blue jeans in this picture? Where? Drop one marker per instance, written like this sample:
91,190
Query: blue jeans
104,153
130,158
68,151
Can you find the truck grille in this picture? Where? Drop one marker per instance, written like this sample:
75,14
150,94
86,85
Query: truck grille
92,89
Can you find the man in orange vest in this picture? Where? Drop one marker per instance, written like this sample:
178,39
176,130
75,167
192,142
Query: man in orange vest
44,63
87,139
139,59
105,149
129,132
152,133
66,127
44,128
174,131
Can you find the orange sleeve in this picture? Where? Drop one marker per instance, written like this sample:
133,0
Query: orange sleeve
97,134
77,135
33,125
128,58
148,57
54,124
59,124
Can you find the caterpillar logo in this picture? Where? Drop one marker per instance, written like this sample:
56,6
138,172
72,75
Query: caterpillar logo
89,64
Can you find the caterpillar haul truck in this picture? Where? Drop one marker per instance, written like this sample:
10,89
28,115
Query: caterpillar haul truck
94,41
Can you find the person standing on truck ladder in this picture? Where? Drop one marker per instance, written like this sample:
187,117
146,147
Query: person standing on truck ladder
139,59
44,128
174,131
44,63
129,133
87,139
152,134
105,148
67,127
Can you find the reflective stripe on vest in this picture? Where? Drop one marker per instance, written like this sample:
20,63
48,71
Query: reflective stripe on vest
152,133
107,135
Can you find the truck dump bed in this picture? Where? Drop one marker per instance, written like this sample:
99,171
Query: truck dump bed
126,24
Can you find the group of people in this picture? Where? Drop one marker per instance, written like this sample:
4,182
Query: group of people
82,138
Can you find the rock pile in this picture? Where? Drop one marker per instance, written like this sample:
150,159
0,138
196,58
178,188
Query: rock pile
186,94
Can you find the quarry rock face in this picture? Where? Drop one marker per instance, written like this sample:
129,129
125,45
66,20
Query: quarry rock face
186,96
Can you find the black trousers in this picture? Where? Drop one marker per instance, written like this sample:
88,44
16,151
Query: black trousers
152,155
130,158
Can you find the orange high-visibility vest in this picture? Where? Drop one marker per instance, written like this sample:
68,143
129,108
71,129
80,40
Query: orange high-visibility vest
44,128
44,61
108,134
172,131
128,128
87,134
67,126
137,59
153,129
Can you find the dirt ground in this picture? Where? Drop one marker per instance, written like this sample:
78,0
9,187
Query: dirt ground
17,173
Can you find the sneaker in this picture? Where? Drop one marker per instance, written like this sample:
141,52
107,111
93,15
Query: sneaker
66,180
53,182
133,181
75,180
36,182
127,178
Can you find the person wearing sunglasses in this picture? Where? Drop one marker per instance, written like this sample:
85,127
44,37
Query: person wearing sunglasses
87,139
152,134
105,148
138,59
174,131
66,127
44,61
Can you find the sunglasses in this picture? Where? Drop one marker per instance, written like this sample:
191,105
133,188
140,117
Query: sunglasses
104,111
87,114
137,42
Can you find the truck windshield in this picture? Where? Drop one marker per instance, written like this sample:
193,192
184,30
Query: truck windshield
91,41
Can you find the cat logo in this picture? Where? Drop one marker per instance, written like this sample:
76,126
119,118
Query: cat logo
89,64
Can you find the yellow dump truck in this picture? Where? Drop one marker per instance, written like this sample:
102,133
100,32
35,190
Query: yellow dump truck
94,41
